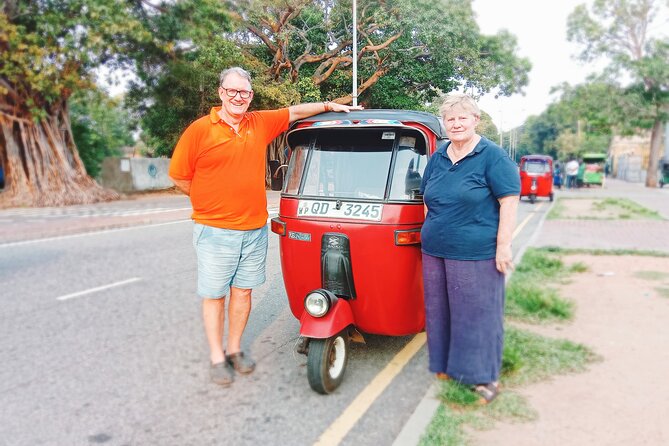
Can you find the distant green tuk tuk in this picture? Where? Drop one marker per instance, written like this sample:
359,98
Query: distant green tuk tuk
664,172
594,169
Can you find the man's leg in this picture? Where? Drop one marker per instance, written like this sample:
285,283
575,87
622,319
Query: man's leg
213,314
238,315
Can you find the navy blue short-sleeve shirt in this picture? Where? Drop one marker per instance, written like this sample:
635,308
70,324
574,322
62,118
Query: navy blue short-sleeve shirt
461,198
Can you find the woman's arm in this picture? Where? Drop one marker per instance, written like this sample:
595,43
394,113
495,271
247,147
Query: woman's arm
508,207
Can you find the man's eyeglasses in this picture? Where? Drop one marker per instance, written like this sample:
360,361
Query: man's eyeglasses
244,94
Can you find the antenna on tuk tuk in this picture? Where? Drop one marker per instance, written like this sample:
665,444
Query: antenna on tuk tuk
354,95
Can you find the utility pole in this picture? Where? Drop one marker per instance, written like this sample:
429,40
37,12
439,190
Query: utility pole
355,53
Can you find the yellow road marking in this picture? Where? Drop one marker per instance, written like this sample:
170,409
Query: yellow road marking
336,432
524,222
342,425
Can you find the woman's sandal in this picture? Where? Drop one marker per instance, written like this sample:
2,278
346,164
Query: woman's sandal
443,376
487,392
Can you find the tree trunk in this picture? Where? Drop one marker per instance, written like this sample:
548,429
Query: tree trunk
654,158
41,164
276,151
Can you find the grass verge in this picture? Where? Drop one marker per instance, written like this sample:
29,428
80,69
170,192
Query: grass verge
605,209
528,358
530,296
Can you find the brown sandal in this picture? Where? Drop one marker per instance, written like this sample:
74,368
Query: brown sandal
240,363
487,392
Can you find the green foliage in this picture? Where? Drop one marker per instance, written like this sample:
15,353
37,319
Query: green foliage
185,90
581,121
410,50
47,49
100,127
536,357
623,32
446,428
603,209
308,91
527,358
631,208
585,116
529,296
533,303
488,128
540,263
456,393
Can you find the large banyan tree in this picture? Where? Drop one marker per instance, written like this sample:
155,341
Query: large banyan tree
51,48
408,51
48,49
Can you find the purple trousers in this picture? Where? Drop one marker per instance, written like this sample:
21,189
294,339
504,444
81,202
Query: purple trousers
464,318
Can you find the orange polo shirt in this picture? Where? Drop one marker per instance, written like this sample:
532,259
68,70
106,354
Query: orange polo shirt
227,168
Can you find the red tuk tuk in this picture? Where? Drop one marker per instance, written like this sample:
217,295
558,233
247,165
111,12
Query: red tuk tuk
349,225
536,177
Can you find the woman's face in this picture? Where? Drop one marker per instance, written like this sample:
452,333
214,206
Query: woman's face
460,124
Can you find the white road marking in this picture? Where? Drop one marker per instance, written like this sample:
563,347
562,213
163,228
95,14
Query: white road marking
99,288
87,212
84,234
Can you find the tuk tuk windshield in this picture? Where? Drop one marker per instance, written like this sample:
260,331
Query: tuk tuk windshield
356,163
536,167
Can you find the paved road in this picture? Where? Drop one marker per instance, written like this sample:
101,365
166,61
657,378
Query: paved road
101,341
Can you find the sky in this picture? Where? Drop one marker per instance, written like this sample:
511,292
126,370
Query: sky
541,29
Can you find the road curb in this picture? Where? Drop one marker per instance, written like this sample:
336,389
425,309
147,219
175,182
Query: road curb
420,419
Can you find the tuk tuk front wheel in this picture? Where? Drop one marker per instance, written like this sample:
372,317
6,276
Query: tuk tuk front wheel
533,198
326,362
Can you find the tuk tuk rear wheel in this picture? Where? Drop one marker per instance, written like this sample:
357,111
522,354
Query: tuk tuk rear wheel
326,362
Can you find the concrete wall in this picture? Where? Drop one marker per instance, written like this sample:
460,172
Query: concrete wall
630,168
135,174
630,155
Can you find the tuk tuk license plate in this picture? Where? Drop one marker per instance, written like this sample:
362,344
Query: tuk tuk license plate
340,209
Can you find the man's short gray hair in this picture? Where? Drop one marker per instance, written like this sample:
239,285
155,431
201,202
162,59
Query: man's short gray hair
459,100
239,71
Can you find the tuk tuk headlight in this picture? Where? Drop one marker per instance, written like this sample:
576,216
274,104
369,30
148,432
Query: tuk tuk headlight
318,302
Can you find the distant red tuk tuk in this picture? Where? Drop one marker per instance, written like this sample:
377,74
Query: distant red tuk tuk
349,225
536,177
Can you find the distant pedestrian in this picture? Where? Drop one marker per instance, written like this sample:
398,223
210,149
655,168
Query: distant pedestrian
571,170
471,190
219,162
557,176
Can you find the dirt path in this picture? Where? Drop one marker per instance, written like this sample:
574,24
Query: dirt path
623,315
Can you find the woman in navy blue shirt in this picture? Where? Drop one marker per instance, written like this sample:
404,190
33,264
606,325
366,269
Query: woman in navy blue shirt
471,190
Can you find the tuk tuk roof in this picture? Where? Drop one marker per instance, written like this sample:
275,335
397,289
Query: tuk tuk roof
594,156
429,120
537,157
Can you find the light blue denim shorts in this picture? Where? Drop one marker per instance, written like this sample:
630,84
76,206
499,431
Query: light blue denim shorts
228,257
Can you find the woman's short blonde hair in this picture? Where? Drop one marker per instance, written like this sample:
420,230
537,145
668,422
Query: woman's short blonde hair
459,100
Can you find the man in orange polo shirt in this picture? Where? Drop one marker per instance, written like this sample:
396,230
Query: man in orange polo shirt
219,162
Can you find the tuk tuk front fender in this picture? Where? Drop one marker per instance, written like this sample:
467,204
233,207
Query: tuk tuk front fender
338,318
